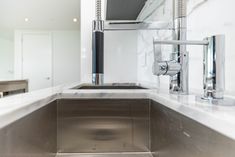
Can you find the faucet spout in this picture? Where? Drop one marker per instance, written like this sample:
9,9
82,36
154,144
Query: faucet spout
98,47
181,42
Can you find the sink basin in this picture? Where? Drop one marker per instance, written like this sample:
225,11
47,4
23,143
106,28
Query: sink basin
110,86
111,128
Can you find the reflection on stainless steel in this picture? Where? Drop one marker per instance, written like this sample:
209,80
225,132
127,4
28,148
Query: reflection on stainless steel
31,136
173,134
110,86
103,126
111,128
13,87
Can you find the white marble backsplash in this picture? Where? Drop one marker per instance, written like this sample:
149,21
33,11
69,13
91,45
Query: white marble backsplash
205,18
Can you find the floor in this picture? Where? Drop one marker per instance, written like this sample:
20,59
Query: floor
134,154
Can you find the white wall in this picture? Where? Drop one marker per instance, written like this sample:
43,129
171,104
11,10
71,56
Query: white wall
66,48
66,55
6,58
87,15
120,50
205,18
120,60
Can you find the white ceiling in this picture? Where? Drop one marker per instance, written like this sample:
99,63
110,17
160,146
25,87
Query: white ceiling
42,14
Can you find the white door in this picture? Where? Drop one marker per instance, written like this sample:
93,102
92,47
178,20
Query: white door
37,60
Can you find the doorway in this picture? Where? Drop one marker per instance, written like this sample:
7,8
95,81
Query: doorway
37,60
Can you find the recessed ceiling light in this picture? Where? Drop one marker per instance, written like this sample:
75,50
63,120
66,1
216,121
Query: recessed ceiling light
75,20
26,19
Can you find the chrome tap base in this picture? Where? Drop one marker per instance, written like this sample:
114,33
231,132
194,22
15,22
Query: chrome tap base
98,79
217,102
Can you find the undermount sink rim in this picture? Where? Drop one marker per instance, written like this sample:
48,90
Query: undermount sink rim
110,86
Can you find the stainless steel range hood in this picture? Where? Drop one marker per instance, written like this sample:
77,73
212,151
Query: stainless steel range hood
131,15
123,9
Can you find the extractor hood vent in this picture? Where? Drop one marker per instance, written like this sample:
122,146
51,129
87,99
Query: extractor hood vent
123,9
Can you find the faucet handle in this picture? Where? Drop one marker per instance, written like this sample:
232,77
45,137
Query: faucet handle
161,67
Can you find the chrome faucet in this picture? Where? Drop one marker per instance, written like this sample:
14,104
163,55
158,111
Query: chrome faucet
213,64
214,67
177,66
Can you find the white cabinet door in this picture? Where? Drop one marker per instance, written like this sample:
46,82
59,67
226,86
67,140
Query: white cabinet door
37,60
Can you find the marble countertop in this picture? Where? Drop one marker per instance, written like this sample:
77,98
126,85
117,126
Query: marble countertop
12,80
219,118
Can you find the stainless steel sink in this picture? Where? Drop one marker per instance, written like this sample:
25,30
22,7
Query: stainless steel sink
103,126
111,128
110,86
